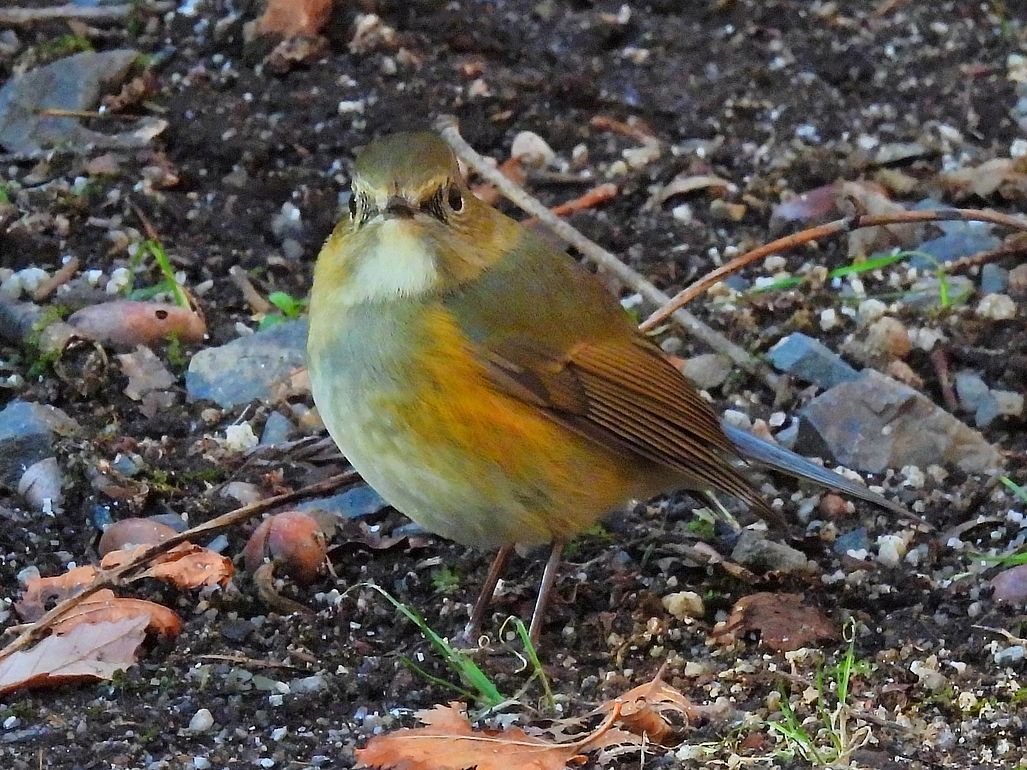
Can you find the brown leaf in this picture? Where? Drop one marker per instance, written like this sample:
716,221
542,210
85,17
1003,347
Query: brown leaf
127,323
105,607
782,620
1006,176
644,710
185,566
42,593
292,18
90,651
448,742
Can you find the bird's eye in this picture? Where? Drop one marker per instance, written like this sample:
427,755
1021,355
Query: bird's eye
353,205
454,198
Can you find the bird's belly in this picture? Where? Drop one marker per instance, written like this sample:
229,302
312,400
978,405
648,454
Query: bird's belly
467,461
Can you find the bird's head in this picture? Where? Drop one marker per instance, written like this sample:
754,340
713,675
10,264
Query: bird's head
413,225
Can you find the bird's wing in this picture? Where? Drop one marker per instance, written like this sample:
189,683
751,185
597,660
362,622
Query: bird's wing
583,363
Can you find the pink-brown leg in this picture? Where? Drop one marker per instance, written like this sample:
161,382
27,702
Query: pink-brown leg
488,589
545,590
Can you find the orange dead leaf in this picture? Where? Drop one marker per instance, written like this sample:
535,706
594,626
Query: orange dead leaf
448,742
295,18
644,710
42,593
185,566
782,620
88,652
105,607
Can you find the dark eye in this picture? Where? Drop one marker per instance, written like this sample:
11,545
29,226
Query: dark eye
455,199
352,205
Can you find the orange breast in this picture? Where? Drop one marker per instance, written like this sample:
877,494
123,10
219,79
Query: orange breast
505,472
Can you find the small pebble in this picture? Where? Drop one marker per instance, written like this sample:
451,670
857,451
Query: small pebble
684,604
997,307
202,721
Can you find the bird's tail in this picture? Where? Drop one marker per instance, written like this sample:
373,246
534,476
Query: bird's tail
784,460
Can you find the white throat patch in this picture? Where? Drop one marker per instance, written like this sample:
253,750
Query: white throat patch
398,265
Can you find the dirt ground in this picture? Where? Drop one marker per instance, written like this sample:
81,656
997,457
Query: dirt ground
778,94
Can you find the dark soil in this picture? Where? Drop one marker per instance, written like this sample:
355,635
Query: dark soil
778,93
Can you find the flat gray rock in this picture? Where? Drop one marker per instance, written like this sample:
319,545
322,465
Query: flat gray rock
875,422
808,359
252,368
27,433
72,83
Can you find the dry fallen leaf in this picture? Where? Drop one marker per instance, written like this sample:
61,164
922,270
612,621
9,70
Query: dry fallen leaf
42,593
127,323
782,620
295,18
448,742
89,651
105,607
185,566
644,710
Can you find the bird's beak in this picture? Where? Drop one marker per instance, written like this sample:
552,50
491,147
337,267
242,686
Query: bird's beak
399,207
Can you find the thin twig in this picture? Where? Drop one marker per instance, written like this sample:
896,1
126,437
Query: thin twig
17,16
940,361
446,125
62,276
112,577
837,227
591,199
56,112
253,297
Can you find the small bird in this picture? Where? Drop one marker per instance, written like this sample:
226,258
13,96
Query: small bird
487,385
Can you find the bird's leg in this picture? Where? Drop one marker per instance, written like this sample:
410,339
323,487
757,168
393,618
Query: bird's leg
544,590
488,588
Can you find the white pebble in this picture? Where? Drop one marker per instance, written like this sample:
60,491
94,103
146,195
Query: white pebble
684,604
121,279
997,307
532,149
202,721
240,437
871,310
828,319
890,550
915,478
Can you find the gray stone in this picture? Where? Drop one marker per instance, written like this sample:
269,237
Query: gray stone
810,360
875,423
994,279
27,433
756,553
976,398
276,429
1010,586
707,370
248,368
954,245
72,83
351,504
927,292
856,540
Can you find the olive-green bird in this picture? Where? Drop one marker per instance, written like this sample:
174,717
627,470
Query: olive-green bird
483,382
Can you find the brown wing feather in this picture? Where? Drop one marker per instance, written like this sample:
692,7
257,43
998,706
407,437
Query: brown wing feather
625,395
